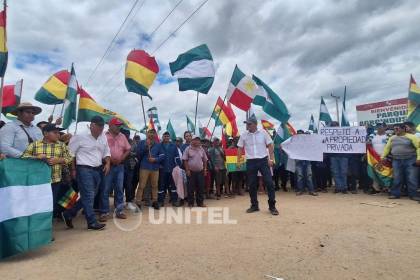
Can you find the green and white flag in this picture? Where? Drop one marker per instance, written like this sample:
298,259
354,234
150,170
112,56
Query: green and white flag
194,69
153,114
324,115
190,125
312,126
70,101
344,118
25,205
270,101
170,129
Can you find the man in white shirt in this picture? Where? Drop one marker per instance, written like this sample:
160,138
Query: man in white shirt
380,138
259,151
92,155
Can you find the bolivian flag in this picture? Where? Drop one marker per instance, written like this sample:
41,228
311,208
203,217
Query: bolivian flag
222,114
381,174
140,72
88,108
54,89
413,112
268,126
232,159
3,43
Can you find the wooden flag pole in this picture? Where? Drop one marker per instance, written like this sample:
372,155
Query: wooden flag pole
144,114
195,118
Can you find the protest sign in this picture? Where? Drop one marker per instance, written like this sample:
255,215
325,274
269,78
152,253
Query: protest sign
344,140
304,147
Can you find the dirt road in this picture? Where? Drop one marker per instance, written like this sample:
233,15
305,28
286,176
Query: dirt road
332,236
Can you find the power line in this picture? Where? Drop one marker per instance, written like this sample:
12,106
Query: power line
150,36
180,26
111,43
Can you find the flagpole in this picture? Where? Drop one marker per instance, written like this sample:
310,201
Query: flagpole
195,118
144,114
2,78
77,111
218,115
208,123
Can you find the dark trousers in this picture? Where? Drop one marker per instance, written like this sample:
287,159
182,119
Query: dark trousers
128,184
253,166
285,175
320,174
237,179
57,192
166,184
196,186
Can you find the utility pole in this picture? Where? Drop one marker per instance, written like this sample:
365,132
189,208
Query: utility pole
336,97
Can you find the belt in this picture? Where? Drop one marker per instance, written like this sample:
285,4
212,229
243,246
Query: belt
90,167
256,159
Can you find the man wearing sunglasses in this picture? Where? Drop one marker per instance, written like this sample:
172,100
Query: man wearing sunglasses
15,136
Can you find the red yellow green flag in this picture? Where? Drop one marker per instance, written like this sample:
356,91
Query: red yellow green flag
232,160
88,108
54,90
140,72
380,173
3,43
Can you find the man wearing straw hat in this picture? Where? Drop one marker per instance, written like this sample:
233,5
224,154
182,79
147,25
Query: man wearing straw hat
15,136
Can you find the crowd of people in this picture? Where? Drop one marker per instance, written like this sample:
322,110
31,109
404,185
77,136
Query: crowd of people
186,172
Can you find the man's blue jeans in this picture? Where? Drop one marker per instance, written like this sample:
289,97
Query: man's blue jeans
339,167
88,181
115,181
404,170
304,175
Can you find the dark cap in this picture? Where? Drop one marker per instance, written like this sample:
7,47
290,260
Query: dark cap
41,123
51,127
252,119
381,124
98,120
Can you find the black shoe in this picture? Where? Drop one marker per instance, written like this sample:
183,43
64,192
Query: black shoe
393,197
324,191
336,191
67,221
52,239
299,193
252,209
313,194
415,198
175,204
96,226
344,192
274,211
155,205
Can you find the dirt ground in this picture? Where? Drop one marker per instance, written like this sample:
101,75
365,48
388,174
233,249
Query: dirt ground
333,236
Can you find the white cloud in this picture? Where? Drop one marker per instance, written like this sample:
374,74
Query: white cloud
301,51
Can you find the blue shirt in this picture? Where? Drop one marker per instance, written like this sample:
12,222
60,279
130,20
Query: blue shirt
171,153
184,147
13,139
156,152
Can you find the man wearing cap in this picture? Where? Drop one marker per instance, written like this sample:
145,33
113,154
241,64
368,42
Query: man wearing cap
54,153
150,156
256,142
93,161
15,136
120,149
195,162
217,160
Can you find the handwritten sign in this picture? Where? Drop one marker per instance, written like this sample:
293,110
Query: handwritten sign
344,140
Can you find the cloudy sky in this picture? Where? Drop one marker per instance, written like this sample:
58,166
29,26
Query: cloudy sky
303,52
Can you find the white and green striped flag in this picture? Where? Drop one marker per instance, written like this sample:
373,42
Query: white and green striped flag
25,206
190,125
153,114
344,118
69,106
194,69
324,115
